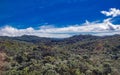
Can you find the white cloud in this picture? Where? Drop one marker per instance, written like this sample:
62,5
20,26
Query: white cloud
112,12
96,28
46,26
103,28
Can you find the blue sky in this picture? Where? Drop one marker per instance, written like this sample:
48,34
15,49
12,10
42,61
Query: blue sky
23,14
26,13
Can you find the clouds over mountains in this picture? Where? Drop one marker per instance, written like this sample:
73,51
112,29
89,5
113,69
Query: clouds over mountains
95,28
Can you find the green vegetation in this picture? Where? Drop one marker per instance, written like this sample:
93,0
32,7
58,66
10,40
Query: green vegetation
77,55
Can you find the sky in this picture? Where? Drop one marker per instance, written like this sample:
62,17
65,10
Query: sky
59,18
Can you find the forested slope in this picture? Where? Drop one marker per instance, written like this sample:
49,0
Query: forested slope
77,55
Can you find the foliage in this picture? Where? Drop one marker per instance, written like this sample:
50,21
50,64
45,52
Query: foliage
77,55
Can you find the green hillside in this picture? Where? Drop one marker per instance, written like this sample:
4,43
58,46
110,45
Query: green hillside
77,55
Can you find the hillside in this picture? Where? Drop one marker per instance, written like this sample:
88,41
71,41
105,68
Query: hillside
77,55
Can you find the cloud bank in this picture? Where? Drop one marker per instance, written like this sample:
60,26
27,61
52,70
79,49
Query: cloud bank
94,28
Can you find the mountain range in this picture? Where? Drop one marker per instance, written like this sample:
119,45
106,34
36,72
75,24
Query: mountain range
76,55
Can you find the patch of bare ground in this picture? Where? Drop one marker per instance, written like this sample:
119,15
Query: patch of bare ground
3,61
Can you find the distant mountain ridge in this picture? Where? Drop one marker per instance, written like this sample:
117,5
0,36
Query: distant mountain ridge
75,38
77,55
